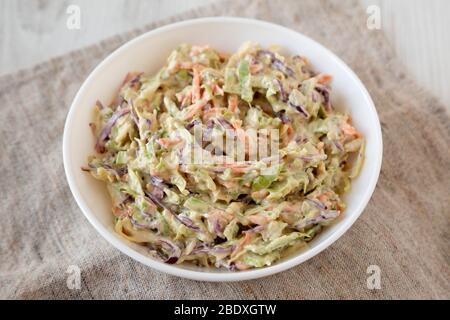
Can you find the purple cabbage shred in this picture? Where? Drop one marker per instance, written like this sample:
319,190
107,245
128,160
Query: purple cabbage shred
100,145
300,109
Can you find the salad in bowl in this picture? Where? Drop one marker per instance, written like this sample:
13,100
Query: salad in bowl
223,160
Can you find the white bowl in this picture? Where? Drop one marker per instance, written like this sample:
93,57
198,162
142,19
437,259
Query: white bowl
148,53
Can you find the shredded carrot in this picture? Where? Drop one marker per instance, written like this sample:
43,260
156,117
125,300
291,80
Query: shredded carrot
211,113
188,65
349,119
236,123
120,213
324,196
247,238
168,142
289,131
233,103
239,170
241,265
217,89
187,99
324,78
196,93
194,109
237,167
259,220
260,194
286,133
350,130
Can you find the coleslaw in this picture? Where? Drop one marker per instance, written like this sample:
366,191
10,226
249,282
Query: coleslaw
233,209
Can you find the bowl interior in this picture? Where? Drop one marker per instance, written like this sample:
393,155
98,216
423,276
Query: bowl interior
148,53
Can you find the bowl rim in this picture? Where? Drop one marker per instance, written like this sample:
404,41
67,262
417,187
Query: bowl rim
216,276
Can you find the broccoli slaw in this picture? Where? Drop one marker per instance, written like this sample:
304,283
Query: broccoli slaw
230,210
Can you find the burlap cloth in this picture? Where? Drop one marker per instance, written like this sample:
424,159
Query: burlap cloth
404,229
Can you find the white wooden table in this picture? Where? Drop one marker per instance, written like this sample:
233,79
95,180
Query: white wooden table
33,31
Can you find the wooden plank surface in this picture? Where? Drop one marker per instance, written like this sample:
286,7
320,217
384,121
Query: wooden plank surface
419,31
34,31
